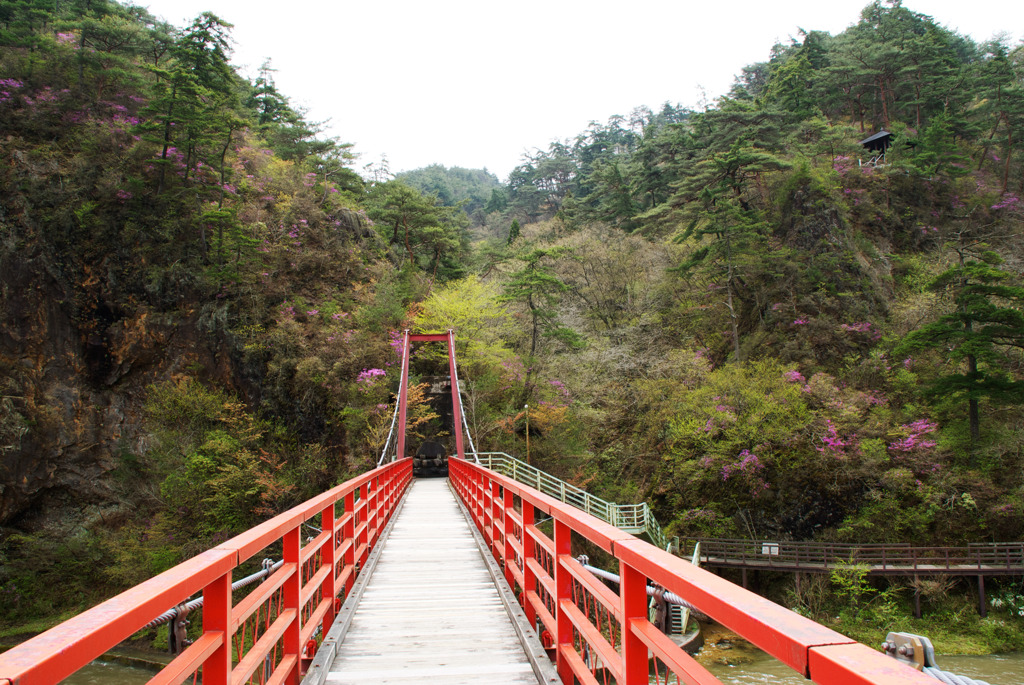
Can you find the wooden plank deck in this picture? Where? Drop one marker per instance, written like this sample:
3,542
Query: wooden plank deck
430,611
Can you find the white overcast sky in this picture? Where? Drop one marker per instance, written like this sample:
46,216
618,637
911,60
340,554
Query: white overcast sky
476,83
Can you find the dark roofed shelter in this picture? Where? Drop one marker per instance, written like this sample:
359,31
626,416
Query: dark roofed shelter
879,141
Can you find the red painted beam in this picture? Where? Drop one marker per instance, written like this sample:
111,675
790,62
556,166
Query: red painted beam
858,664
782,633
59,652
428,337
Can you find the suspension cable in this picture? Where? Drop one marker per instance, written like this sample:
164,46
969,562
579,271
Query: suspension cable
462,409
398,400
269,566
918,651
669,597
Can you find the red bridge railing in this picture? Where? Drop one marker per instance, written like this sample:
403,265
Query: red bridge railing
267,636
598,636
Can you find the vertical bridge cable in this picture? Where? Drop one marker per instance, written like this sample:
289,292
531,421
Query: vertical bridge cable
394,416
462,409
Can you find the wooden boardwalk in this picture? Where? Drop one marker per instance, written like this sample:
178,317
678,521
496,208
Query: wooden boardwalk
429,610
979,560
994,559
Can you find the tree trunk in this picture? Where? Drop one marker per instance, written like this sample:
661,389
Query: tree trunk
885,103
1009,155
223,157
729,302
533,336
988,142
167,142
973,415
408,248
189,148
974,418
917,88
202,231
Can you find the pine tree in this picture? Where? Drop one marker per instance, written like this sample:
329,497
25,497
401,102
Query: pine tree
538,287
987,322
513,232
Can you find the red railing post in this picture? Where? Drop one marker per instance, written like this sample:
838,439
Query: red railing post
497,521
348,533
292,554
372,521
478,498
287,621
508,532
328,559
217,618
529,552
563,595
633,602
362,525
487,511
394,482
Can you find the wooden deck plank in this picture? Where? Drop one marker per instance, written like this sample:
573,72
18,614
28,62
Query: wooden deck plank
430,610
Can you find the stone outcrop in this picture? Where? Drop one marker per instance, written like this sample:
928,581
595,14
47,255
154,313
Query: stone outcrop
77,351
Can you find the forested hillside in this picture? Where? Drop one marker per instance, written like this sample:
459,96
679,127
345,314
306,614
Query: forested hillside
740,314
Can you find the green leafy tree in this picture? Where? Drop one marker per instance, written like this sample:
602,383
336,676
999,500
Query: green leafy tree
109,38
192,92
731,231
497,202
513,232
20,21
977,337
429,233
611,198
266,100
1002,105
472,189
538,287
935,152
472,308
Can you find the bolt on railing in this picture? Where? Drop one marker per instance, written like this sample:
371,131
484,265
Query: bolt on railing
631,518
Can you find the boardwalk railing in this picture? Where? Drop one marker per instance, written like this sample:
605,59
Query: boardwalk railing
600,636
632,518
992,559
266,636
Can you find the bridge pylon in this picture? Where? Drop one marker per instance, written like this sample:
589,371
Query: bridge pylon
403,390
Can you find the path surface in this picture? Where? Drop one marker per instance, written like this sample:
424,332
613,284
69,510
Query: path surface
430,612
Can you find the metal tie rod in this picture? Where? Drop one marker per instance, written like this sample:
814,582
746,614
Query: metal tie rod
670,597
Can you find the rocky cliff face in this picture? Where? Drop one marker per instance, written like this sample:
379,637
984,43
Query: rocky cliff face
77,349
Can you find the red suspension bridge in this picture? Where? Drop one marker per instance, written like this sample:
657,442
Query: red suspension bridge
477,579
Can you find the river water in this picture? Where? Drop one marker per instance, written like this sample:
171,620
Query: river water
104,673
756,667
